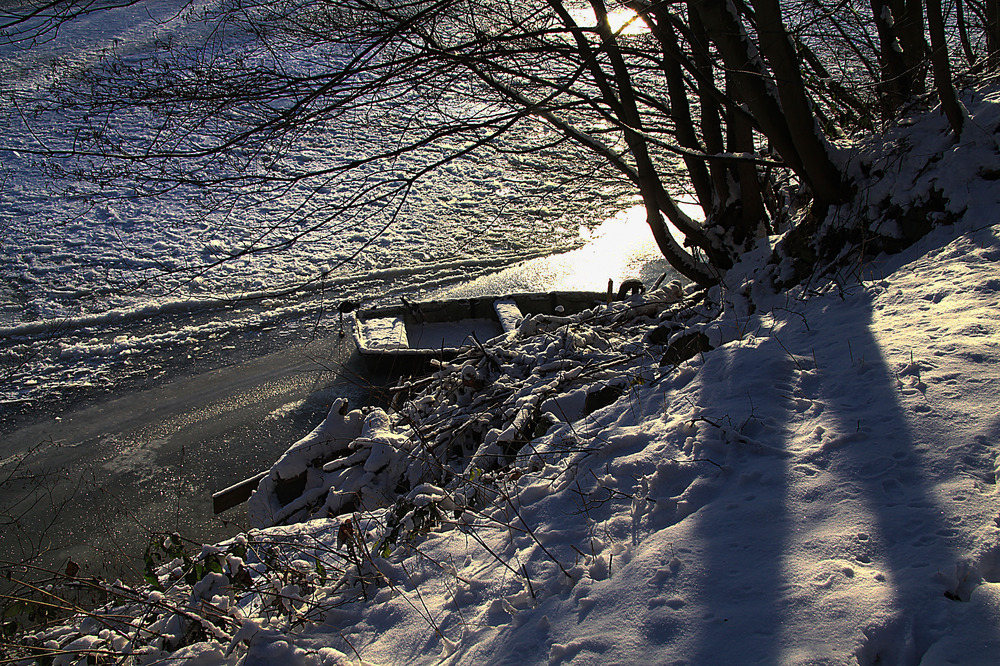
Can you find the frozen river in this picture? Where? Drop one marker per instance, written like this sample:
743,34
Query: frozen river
105,289
99,478
148,359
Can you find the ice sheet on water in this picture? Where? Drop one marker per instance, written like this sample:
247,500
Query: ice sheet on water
116,276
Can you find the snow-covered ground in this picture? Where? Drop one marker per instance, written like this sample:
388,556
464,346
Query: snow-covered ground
819,487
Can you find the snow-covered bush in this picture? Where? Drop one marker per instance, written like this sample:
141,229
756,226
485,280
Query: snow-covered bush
457,429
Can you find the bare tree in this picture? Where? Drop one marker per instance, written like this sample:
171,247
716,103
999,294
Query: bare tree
942,67
713,98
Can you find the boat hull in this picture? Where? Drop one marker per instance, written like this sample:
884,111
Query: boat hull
407,337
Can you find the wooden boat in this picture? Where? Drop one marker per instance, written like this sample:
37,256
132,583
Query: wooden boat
410,335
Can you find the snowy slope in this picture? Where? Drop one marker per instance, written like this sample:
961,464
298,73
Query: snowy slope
854,512
819,488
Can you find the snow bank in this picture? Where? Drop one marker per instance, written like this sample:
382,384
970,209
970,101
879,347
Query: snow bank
734,477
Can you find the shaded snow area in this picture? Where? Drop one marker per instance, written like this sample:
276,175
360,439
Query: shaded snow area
701,477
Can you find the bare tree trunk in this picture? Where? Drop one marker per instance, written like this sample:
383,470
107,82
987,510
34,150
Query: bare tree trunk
908,16
749,79
791,130
741,218
658,203
963,32
680,113
711,112
828,185
942,68
719,256
993,33
892,65
676,256
752,221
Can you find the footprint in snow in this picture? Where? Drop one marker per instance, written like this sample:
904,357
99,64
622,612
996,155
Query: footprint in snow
892,488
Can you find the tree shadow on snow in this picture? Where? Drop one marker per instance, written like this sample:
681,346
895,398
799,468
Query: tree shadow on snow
742,532
840,495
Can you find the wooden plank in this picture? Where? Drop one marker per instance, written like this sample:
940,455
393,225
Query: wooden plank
235,494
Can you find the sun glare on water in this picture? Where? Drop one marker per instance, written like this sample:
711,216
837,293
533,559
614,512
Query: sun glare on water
622,20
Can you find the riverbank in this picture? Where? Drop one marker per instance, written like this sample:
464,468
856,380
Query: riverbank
819,487
104,477
739,474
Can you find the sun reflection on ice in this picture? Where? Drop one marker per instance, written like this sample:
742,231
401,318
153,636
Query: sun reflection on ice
622,247
622,20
